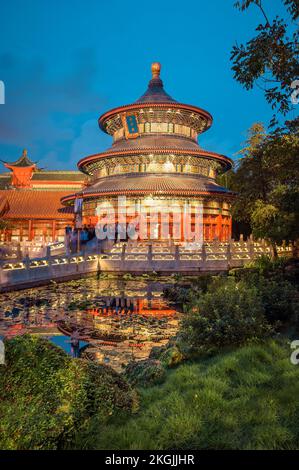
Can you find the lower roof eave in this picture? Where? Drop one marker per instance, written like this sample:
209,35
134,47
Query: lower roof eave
226,162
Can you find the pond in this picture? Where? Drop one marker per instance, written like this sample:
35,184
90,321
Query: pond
108,319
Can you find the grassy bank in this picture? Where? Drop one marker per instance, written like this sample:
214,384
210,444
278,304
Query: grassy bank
243,399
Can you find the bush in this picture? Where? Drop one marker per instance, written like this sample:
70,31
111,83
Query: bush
145,373
228,314
277,291
46,396
283,269
171,357
279,299
156,351
265,264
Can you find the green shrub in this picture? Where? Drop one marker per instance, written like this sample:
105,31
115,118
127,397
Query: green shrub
145,373
156,351
46,396
280,300
171,357
283,269
265,264
228,314
273,281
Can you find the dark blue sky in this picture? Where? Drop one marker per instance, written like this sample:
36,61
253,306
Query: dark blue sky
65,62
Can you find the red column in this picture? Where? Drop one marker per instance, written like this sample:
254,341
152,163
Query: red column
210,231
53,230
30,230
219,227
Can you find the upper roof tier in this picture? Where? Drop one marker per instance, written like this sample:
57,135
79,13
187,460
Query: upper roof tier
155,92
160,104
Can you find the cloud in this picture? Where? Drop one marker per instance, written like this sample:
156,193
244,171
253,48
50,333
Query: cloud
48,113
90,140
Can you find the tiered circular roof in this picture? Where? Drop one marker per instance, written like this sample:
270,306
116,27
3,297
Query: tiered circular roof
148,143
156,97
153,184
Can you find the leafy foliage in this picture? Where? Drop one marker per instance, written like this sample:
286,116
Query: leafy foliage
46,396
277,284
266,180
280,300
252,302
172,356
271,58
228,314
145,373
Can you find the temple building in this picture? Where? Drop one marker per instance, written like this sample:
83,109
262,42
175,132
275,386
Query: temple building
155,160
30,207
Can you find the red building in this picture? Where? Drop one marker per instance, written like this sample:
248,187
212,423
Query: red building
155,161
30,207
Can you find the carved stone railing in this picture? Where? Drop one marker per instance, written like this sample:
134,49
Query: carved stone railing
19,250
135,258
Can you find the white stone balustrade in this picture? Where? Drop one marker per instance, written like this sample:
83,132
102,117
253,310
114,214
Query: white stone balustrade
135,258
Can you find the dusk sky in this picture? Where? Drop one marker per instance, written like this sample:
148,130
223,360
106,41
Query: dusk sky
66,62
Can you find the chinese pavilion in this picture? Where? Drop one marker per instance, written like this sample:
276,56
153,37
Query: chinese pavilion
30,204
155,159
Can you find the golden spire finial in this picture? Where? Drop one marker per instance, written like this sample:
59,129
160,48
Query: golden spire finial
25,153
156,68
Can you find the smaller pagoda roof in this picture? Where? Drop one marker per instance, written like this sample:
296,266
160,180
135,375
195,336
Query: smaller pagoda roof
23,161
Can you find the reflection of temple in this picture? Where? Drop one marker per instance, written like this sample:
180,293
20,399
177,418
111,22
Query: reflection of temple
138,306
119,319
155,161
30,201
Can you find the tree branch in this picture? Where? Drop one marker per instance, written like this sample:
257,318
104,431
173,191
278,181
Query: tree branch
259,4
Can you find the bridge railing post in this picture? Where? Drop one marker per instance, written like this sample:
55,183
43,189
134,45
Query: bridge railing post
19,251
150,253
228,256
48,252
177,253
123,253
203,255
250,244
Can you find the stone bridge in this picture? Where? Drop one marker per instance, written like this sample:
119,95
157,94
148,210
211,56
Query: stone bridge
135,258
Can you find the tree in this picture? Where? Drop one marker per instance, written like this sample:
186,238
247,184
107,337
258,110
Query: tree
270,60
266,179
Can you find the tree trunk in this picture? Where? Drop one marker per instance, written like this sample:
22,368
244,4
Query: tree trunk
274,251
295,248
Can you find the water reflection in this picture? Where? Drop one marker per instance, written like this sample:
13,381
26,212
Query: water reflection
111,320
